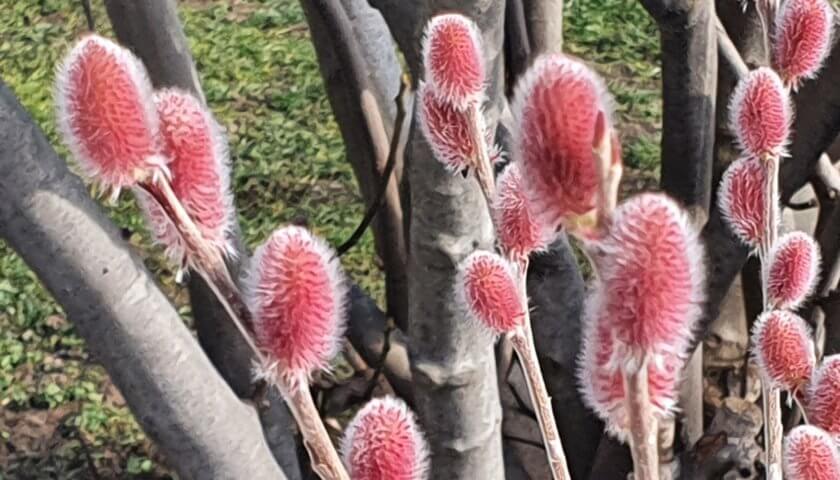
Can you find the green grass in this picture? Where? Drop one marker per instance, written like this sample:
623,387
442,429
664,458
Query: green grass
621,41
261,79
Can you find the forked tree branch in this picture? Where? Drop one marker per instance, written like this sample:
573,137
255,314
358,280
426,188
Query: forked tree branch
47,216
395,154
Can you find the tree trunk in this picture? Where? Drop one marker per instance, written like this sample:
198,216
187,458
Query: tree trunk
356,78
130,327
152,30
689,87
456,394
517,43
688,40
557,291
545,25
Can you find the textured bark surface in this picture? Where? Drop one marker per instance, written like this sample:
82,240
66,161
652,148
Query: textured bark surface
153,31
130,327
366,333
456,395
545,25
517,43
380,55
689,87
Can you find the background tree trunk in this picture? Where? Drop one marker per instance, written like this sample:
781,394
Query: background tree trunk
545,25
47,216
456,394
362,77
557,293
688,39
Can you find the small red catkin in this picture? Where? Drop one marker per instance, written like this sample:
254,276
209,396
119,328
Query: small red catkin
760,114
106,114
487,286
447,130
296,292
783,350
556,107
200,168
383,442
600,372
802,39
518,227
453,60
823,399
794,267
810,454
650,262
741,200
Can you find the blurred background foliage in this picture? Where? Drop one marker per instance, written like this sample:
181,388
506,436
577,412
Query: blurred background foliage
60,417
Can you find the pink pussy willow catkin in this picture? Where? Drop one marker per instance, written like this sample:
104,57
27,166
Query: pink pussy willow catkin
491,293
802,39
383,442
793,269
106,114
810,454
297,295
556,107
200,167
783,350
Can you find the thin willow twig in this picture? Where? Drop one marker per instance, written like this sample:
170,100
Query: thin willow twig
522,340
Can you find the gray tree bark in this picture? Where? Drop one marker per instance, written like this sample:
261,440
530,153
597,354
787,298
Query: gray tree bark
367,335
517,43
130,327
153,31
688,38
689,88
545,25
456,395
